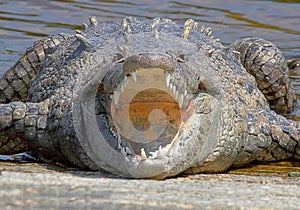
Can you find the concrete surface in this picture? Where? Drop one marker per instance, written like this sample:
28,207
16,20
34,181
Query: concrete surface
42,186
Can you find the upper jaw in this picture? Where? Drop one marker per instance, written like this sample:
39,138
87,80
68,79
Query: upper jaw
185,150
127,67
173,101
133,76
149,60
169,159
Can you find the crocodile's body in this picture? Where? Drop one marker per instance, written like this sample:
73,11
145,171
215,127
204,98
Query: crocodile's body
69,112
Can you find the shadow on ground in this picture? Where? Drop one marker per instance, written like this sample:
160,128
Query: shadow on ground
39,185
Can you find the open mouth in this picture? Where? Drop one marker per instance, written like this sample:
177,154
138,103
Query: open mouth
145,112
150,116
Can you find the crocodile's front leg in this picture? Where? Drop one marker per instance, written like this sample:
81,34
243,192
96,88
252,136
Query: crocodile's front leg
20,122
267,136
266,63
15,83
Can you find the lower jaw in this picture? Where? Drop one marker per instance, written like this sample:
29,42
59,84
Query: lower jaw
165,161
146,128
145,122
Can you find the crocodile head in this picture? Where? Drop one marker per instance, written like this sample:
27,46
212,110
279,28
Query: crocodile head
154,110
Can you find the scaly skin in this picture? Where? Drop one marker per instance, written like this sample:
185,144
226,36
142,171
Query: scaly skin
69,110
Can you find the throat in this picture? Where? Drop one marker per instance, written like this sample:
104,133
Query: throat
145,112
150,119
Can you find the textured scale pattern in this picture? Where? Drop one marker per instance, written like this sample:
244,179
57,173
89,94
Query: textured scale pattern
245,87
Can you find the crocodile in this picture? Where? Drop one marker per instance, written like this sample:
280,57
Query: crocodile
149,99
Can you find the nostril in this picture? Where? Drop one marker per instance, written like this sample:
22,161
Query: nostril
181,58
148,60
119,58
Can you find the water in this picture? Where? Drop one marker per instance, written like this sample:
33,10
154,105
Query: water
23,22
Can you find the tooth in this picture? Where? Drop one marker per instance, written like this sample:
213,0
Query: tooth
168,78
134,75
167,148
182,87
176,82
184,106
160,152
128,150
117,94
202,29
123,85
143,153
119,141
123,151
112,132
171,86
186,97
180,100
174,90
176,94
185,94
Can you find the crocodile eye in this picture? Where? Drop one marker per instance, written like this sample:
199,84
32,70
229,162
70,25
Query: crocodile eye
296,65
201,86
119,58
181,58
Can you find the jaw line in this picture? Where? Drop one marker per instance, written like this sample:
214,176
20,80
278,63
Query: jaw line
152,79
177,159
92,140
